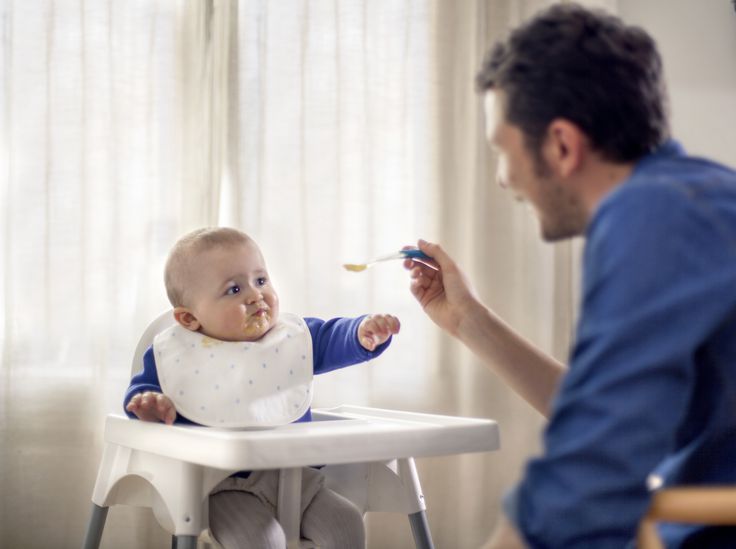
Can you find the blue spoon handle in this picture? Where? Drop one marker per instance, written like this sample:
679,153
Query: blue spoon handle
415,254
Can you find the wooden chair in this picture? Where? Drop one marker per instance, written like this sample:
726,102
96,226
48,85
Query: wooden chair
711,505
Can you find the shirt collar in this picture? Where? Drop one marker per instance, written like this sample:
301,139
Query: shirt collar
668,149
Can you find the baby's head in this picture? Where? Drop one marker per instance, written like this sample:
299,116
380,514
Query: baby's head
217,281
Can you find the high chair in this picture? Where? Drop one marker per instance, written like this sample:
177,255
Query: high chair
367,452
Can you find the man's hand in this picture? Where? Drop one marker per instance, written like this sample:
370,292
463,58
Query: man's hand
152,406
375,329
442,290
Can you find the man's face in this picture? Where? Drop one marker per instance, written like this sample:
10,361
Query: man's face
531,179
230,293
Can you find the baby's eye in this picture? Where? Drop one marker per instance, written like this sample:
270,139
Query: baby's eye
261,280
232,290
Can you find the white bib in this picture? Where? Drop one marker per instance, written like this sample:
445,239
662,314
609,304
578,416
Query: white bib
238,384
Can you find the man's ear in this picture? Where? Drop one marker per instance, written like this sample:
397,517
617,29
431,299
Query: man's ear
566,147
186,318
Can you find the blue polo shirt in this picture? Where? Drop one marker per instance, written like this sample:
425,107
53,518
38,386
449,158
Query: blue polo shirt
652,381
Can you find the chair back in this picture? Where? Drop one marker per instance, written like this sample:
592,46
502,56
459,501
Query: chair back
157,325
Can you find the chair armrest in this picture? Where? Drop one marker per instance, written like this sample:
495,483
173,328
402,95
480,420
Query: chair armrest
694,505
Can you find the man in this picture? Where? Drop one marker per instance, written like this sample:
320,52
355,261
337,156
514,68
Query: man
576,111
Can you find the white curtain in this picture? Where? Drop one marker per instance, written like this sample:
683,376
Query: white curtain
91,156
331,131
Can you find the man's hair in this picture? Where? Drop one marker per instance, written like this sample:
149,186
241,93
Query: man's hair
187,247
587,67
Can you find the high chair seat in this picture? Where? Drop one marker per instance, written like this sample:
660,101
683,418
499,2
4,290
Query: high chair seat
367,452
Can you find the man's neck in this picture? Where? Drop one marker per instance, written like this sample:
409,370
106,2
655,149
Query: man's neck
598,179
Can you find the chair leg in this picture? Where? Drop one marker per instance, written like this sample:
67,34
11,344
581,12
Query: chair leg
407,472
288,506
95,527
184,542
420,530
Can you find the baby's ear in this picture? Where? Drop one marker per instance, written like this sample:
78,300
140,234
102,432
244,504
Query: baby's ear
185,317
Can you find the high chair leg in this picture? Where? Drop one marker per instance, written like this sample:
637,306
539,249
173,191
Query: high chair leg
95,527
185,542
413,492
420,530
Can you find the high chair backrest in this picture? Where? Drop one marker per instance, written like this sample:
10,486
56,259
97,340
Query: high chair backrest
157,325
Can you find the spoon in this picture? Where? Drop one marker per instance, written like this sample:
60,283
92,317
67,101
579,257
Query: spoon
403,254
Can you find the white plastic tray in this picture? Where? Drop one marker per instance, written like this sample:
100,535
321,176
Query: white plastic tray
345,434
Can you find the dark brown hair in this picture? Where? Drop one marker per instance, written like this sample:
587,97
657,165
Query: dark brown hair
587,67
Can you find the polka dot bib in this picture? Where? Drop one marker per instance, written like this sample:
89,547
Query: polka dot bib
238,384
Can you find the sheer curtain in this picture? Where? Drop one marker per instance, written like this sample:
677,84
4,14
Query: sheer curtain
331,131
328,162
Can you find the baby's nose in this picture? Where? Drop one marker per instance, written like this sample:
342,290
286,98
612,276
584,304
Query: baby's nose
253,294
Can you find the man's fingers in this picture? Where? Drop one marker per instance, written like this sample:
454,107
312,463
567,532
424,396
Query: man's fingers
417,288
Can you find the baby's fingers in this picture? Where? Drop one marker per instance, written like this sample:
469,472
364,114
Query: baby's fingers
152,406
368,343
133,403
384,325
165,409
376,329
139,403
393,324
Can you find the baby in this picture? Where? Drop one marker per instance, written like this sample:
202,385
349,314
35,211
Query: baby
232,360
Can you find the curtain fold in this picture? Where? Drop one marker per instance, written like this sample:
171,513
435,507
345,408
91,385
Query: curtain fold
205,40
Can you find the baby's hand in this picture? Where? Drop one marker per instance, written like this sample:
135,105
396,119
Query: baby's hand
152,406
375,329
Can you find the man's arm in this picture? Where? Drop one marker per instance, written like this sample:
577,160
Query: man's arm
449,300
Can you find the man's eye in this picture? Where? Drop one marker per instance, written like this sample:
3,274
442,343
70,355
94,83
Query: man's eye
261,281
232,290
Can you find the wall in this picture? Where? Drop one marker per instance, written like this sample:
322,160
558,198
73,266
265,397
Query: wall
697,41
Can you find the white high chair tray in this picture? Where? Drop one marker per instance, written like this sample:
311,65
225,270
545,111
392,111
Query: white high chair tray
345,434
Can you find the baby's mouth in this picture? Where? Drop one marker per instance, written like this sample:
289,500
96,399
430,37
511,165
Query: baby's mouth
257,321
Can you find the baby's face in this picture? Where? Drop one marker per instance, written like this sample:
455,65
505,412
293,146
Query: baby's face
230,293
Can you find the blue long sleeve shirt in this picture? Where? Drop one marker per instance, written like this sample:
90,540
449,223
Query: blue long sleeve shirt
651,387
334,345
